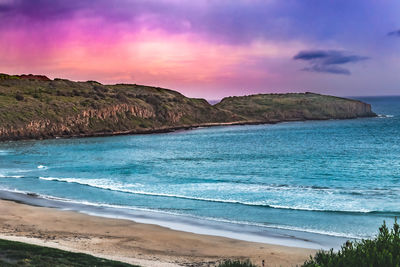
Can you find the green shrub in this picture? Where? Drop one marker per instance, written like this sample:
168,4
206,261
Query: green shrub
19,96
236,263
384,250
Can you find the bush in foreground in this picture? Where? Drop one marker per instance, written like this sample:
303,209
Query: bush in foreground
383,251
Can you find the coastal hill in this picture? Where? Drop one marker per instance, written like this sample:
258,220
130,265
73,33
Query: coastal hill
36,107
294,107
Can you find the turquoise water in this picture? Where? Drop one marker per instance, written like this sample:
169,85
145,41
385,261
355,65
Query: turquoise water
338,177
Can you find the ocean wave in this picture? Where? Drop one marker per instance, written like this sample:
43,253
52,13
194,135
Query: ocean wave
4,152
13,173
107,185
222,220
385,116
42,167
97,183
301,208
11,176
9,173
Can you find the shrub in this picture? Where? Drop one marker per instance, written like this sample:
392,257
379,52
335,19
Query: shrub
236,263
101,94
153,100
384,250
76,92
19,96
121,96
99,88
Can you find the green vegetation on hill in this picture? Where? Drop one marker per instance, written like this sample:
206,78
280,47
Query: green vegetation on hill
34,107
288,107
21,254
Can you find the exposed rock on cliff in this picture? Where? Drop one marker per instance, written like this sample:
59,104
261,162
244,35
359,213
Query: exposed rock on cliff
34,107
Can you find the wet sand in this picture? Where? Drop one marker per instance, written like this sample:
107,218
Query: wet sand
136,243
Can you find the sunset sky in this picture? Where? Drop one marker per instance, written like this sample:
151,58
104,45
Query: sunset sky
209,48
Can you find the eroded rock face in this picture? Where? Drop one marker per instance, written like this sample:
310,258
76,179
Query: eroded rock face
35,107
76,124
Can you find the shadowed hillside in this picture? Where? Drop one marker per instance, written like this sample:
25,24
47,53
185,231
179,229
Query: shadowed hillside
35,107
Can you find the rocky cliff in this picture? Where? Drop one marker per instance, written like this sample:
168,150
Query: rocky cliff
35,107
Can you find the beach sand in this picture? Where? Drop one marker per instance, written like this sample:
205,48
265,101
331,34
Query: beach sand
135,243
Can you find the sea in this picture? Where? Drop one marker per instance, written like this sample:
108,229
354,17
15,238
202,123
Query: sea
308,184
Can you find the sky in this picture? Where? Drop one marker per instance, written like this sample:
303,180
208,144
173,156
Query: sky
209,48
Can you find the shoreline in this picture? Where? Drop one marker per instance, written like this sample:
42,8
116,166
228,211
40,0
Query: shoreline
243,231
171,129
136,243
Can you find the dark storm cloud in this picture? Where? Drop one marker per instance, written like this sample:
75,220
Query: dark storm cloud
394,33
328,61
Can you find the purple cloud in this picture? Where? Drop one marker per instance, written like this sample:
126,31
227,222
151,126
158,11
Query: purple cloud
394,33
328,61
239,21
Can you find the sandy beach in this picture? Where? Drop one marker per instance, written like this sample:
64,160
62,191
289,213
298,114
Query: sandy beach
135,243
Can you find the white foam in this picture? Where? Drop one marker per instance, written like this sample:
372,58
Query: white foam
42,167
98,183
316,209
4,152
385,116
281,227
106,184
292,228
9,173
11,176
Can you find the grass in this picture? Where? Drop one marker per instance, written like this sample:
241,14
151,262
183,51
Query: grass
21,254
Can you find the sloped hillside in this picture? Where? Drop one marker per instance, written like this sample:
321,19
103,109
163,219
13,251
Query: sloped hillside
36,107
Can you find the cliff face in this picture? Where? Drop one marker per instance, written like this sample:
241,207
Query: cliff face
82,123
35,107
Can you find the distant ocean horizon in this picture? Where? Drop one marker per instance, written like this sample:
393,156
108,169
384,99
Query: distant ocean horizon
338,178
